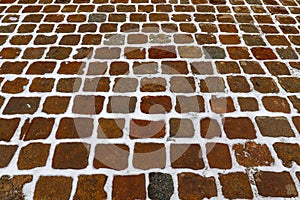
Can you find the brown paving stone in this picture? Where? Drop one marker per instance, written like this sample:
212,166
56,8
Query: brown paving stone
88,104
48,187
112,156
241,127
68,85
185,104
123,85
41,68
276,104
33,53
238,84
264,85
181,84
212,84
15,86
186,156
277,68
149,155
251,67
71,68
91,187
274,126
6,154
161,52
174,67
238,53
146,129
181,128
97,68
227,67
56,105
221,104
261,53
156,104
12,186
236,185
8,128
119,68
121,104
290,84
58,53
9,53
33,155
209,128
42,85
281,183
110,128
296,121
296,102
96,84
248,104
288,153
218,155
153,85
37,128
131,187
76,158
135,53
194,186
74,128
252,154
22,105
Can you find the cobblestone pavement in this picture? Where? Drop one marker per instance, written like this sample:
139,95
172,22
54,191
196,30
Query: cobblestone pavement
149,99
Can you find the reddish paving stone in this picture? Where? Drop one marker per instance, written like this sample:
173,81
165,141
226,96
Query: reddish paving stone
36,128
56,105
146,129
6,154
221,104
22,105
238,53
186,156
110,128
8,128
174,67
33,155
261,53
59,53
41,68
252,154
161,52
274,126
135,53
185,104
248,104
281,183
210,128
238,84
264,85
212,84
15,86
91,187
194,186
112,156
218,155
119,68
251,67
121,104
71,68
227,67
58,187
236,185
12,67
12,187
68,85
130,187
241,127
277,68
149,156
288,153
75,158
74,128
182,84
181,128
10,53
88,104
153,85
276,104
156,104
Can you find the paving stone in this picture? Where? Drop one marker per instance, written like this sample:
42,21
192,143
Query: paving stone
146,129
76,158
121,104
160,186
186,156
22,105
227,67
212,52
156,104
186,104
264,85
12,67
74,128
96,84
110,128
88,104
112,156
15,86
252,154
12,186
71,68
56,105
181,84
7,153
276,104
201,68
218,155
149,156
274,126
91,187
161,52
248,104
153,85
236,185
221,105
174,67
290,84
131,187
194,186
261,53
209,128
41,68
238,84
189,52
33,155
181,128
251,67
58,187
212,84
277,68
241,127
281,183
68,85
288,153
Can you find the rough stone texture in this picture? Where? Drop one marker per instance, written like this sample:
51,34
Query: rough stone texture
194,186
11,187
130,187
181,128
110,128
74,128
156,104
288,153
241,127
91,187
37,128
22,105
146,129
53,187
281,183
274,126
160,186
236,185
218,155
6,154
252,154
8,128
